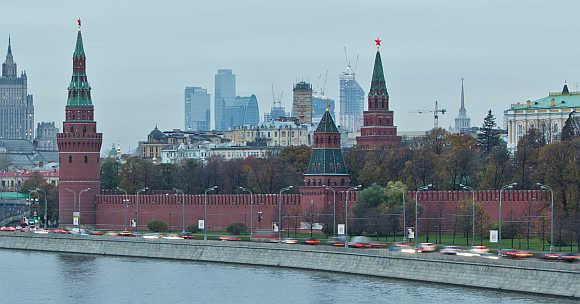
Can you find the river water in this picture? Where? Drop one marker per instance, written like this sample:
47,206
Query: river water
42,278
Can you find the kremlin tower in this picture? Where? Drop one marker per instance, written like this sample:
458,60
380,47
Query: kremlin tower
79,147
378,130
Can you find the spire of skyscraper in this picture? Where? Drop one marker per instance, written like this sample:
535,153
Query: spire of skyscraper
462,122
9,66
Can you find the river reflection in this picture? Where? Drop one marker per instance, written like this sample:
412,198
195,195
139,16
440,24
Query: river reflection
33,277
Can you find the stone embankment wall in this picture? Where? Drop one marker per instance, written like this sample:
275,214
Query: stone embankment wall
531,276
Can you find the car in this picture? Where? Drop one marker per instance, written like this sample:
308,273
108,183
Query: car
427,247
40,231
8,229
290,241
359,242
402,247
571,257
515,254
151,236
552,256
266,236
312,241
112,233
229,238
450,250
96,233
172,237
79,231
60,231
186,236
337,241
126,233
479,249
489,255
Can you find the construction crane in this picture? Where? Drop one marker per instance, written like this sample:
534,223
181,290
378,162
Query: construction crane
436,111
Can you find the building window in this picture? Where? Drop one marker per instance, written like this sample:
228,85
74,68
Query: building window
70,158
86,159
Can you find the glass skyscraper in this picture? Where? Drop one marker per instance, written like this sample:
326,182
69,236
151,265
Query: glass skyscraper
197,109
225,91
351,101
319,104
242,111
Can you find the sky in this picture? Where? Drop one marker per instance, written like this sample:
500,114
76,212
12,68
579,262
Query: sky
141,54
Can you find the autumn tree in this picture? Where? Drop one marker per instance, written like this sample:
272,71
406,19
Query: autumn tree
488,137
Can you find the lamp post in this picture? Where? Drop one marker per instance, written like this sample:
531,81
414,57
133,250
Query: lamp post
205,210
355,188
45,207
504,187
464,187
32,201
251,210
126,201
280,211
74,198
546,187
333,208
138,206
80,193
182,208
404,215
423,188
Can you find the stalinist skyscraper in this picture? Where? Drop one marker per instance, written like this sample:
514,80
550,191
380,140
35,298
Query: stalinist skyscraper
462,121
16,106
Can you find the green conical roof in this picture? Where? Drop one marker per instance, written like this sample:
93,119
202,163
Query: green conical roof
327,124
79,50
378,84
79,90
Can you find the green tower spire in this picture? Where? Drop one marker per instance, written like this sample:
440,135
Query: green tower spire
378,84
79,90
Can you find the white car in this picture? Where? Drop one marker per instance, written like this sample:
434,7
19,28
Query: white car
151,236
451,250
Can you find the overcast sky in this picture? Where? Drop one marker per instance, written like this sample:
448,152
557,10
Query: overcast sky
141,54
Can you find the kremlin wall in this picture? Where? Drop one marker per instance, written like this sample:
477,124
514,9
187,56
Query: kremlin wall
79,178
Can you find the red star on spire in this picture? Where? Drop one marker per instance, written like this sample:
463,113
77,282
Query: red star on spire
79,23
378,42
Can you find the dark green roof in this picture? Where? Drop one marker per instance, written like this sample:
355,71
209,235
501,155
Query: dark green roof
13,195
378,84
327,124
326,162
79,50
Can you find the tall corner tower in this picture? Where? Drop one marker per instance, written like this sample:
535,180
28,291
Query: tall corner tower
79,147
378,130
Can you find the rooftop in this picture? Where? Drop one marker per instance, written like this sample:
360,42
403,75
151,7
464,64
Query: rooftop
554,100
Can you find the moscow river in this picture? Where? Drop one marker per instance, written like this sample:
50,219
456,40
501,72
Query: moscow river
35,277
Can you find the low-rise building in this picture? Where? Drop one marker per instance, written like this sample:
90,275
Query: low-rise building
13,180
547,114
271,134
158,140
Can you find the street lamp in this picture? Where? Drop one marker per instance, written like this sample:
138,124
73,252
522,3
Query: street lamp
32,201
280,211
138,206
355,188
126,201
467,188
504,187
205,211
404,214
546,187
251,209
423,188
45,206
80,193
182,208
333,208
74,198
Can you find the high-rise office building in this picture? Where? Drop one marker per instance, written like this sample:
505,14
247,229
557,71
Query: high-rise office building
46,136
197,109
319,104
351,101
16,106
462,121
225,91
302,102
242,111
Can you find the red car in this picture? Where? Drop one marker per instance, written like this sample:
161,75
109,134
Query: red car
570,257
9,229
61,231
552,256
516,254
97,233
126,234
186,236
229,238
312,242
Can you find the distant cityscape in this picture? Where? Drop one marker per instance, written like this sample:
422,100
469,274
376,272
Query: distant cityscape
235,127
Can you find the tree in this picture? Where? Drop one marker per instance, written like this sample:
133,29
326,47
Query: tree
571,127
36,181
527,157
488,137
157,226
109,174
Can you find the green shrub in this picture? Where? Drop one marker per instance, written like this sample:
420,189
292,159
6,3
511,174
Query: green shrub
236,228
157,226
192,228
